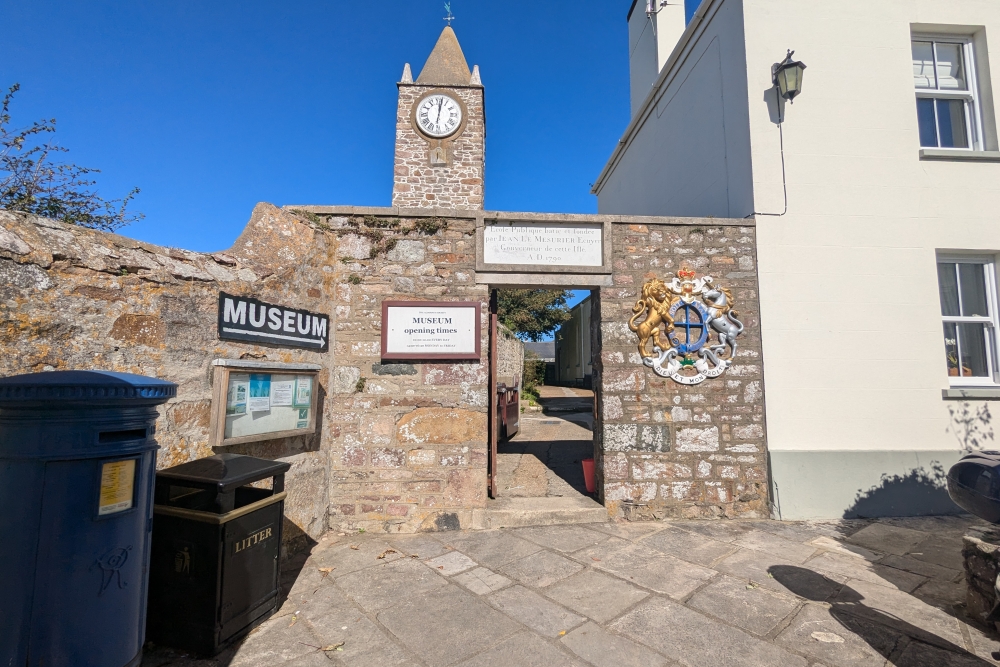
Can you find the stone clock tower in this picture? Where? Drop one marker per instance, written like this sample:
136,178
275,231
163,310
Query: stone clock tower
440,133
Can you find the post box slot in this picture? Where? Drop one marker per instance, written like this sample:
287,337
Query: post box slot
108,437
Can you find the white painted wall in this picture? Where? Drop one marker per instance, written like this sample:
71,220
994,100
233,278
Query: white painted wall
701,112
853,343
651,40
853,347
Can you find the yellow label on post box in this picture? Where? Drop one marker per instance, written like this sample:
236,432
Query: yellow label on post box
117,480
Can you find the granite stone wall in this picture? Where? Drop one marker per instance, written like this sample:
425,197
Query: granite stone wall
73,298
409,440
668,449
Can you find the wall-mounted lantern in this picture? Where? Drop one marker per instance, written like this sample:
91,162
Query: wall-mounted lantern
787,76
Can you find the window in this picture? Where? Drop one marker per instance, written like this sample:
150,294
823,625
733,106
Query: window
969,311
947,104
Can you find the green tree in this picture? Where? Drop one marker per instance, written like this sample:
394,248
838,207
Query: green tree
30,181
532,313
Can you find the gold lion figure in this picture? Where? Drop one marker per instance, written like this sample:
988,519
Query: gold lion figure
655,302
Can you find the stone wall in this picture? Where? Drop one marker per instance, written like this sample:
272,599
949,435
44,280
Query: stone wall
668,449
459,183
981,554
409,440
73,298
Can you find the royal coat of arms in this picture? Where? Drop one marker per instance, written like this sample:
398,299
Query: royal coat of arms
679,320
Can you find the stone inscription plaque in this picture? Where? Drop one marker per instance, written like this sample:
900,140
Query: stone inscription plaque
543,243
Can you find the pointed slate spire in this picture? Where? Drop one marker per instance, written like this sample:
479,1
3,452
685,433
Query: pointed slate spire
446,66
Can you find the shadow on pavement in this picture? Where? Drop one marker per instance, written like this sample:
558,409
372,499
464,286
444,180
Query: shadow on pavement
877,628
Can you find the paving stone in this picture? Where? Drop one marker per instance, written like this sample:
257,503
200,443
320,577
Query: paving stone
923,568
691,547
943,551
646,567
752,608
541,569
758,540
346,560
721,530
523,650
922,655
900,612
451,563
948,593
696,640
333,619
530,608
562,538
843,641
379,587
603,649
803,531
482,581
888,538
277,640
446,625
627,529
420,545
595,595
490,548
984,644
857,568
844,548
779,575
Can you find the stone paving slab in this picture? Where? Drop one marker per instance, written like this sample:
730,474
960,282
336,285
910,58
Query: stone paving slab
700,593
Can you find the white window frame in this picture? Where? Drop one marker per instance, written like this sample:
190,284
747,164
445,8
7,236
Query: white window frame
991,321
973,108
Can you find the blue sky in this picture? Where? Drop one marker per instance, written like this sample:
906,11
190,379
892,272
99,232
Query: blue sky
212,107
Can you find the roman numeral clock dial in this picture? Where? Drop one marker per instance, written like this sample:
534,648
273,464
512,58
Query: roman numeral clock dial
439,116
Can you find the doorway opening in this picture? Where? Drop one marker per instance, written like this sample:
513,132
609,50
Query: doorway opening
542,426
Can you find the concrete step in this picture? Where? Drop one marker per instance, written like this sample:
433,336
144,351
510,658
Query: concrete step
521,512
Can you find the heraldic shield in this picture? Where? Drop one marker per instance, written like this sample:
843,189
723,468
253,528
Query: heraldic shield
687,328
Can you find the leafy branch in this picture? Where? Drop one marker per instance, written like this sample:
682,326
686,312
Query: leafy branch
31,182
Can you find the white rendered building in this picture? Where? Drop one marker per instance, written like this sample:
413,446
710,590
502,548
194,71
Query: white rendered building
878,286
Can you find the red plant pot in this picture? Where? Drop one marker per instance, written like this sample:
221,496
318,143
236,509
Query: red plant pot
588,475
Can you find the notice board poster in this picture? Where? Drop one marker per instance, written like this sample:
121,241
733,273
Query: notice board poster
416,330
261,403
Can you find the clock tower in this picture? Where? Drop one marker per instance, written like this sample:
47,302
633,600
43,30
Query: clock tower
440,132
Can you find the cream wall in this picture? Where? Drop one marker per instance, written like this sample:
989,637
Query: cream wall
852,337
853,348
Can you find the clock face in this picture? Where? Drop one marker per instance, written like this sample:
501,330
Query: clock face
438,115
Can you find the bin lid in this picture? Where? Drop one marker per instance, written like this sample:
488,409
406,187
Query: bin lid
86,386
225,472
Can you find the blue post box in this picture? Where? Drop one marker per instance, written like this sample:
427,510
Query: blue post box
77,463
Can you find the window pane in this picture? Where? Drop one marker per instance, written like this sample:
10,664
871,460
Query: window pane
927,123
951,124
972,350
948,286
951,348
950,67
923,65
972,278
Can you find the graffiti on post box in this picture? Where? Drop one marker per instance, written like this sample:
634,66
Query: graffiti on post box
678,318
249,320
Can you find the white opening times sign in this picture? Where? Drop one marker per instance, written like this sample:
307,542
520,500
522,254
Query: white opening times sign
542,243
431,330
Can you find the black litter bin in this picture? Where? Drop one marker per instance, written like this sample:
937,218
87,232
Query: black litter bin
216,546
77,459
974,484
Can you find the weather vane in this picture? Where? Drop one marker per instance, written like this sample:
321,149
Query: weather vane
450,17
